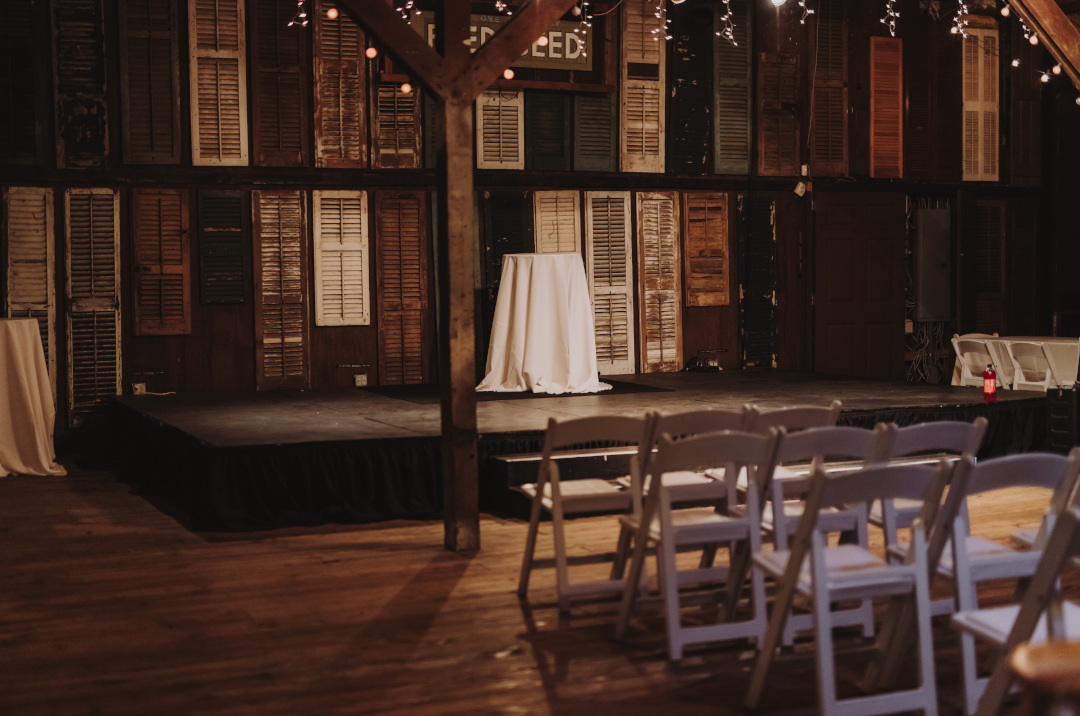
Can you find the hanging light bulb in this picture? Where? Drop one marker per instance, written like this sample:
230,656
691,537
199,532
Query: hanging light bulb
1015,63
371,53
406,88
332,13
778,3
1045,77
542,41
1078,100
1034,39
508,74
1056,70
1005,11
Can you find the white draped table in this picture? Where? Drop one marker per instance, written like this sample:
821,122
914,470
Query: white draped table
27,411
542,335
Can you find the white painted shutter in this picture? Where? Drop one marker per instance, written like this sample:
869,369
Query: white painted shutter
341,259
658,281
500,130
219,127
981,105
641,89
30,236
611,278
93,299
557,221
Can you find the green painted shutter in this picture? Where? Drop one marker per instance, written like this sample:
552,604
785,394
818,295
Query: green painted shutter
732,123
594,133
221,247
547,130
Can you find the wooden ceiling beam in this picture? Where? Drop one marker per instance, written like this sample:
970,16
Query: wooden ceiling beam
1059,36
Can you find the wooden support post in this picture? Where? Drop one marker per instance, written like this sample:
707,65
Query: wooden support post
1059,36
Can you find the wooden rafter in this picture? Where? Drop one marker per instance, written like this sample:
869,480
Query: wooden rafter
1057,33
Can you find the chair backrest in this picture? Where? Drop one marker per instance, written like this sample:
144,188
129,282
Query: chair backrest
1031,364
951,436
794,418
697,422
836,443
595,431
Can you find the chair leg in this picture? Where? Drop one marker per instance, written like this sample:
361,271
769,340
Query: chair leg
767,650
630,587
826,672
622,549
530,546
669,589
562,570
973,685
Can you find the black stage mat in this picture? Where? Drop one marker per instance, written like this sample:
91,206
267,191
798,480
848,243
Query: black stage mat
429,394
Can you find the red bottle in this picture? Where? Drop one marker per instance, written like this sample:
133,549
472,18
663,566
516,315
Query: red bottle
989,385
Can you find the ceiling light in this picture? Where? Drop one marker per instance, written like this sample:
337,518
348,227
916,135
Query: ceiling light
778,3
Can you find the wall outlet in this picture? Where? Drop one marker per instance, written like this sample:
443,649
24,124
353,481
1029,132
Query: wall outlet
360,380
138,388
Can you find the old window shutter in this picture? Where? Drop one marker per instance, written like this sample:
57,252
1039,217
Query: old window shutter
691,95
658,282
989,255
280,287
280,87
1025,115
547,130
161,259
150,81
557,221
397,127
594,133
79,45
641,90
731,126
886,107
219,131
340,92
757,280
611,279
342,297
30,239
500,135
93,300
401,240
828,138
221,247
981,105
778,119
508,229
18,83
707,262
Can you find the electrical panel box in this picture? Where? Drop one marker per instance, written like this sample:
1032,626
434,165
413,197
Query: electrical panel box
933,277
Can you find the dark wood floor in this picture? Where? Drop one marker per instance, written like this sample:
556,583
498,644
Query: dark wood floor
109,606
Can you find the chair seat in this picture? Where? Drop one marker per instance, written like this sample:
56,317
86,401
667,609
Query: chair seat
687,485
989,559
853,571
697,525
994,624
1025,536
906,512
830,520
587,495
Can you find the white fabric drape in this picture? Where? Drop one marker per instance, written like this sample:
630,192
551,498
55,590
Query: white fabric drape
27,412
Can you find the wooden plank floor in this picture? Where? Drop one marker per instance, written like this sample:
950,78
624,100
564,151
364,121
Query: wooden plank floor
110,606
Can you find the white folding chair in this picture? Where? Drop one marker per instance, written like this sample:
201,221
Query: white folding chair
668,530
1033,367
562,498
824,575
974,355
1041,615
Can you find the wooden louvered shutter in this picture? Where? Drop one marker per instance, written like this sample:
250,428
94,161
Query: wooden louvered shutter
886,108
279,86
611,279
508,229
340,92
731,123
548,130
689,101
159,234
30,239
594,133
219,131
988,248
82,131
641,90
981,105
828,136
342,297
756,227
19,76
500,135
93,300
778,119
706,263
396,127
150,81
221,247
1025,115
401,238
658,282
281,345
557,221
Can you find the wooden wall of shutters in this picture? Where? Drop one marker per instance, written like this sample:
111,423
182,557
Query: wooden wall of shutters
706,261
1025,115
161,261
29,237
886,108
281,281
395,127
691,96
500,130
609,263
732,96
20,75
342,295
405,330
557,221
92,263
548,130
980,122
828,135
82,127
932,90
642,89
595,133
508,229
280,86
218,57
221,247
340,92
986,245
757,240
659,290
778,115
150,81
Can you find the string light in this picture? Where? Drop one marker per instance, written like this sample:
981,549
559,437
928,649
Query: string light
728,31
1015,62
661,32
1027,32
806,12
891,16
542,41
1045,77
1056,70
960,20
508,74
407,10
406,88
332,13
1005,11
371,53
300,18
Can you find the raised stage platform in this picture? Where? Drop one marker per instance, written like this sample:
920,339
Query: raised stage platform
272,459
